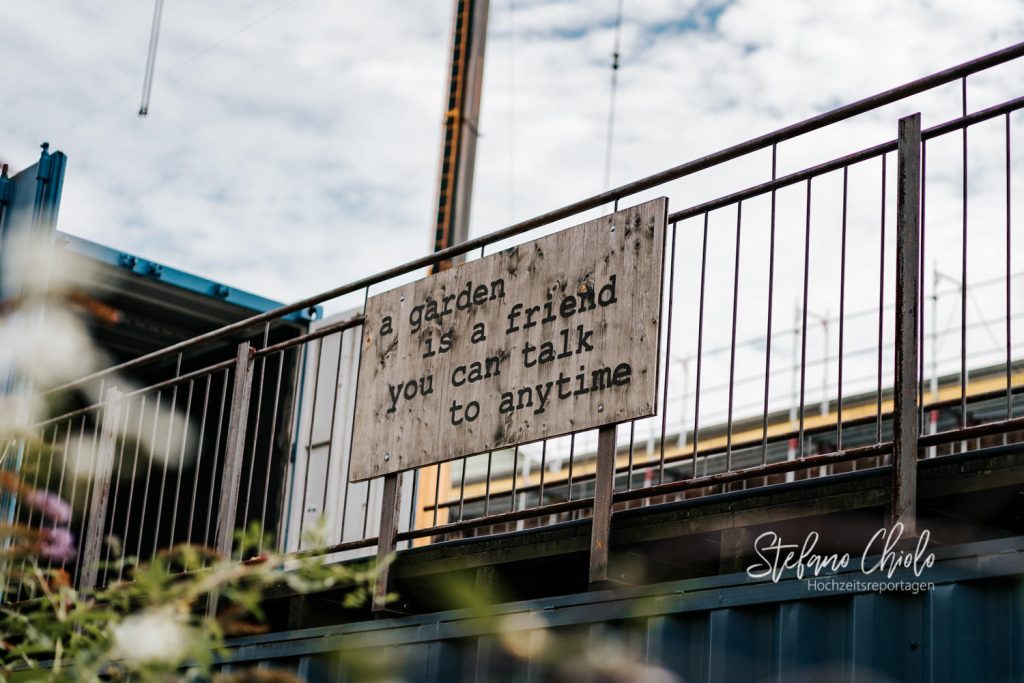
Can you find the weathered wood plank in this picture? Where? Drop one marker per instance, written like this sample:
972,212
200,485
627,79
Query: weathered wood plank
604,485
553,336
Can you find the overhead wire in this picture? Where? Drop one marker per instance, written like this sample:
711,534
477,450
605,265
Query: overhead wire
512,111
184,62
611,102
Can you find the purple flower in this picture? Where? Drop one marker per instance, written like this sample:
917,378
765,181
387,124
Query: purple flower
50,504
57,544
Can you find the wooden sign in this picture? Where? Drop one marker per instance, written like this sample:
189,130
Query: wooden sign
549,337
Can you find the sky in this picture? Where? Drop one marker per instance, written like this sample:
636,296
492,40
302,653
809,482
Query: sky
292,145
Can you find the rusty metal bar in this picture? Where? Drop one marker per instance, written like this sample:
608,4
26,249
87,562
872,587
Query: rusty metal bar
602,516
93,542
973,432
755,472
234,450
908,284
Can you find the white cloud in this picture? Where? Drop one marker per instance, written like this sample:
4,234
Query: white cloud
302,152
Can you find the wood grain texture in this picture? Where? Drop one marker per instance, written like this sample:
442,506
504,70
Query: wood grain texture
609,268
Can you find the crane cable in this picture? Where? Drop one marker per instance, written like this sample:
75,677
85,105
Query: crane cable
154,36
512,111
147,84
611,103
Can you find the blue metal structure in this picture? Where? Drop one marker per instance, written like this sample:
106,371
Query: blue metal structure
968,627
180,279
31,198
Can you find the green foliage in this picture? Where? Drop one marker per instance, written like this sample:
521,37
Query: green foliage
154,626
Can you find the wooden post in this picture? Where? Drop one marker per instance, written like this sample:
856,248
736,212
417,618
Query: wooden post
604,484
92,545
908,291
234,450
390,505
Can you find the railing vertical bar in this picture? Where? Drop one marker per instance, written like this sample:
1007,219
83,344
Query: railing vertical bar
256,433
771,299
63,472
27,460
462,488
700,345
842,315
881,309
803,320
963,267
292,413
629,471
35,475
732,343
270,456
199,458
487,484
131,490
1009,277
921,287
309,439
515,482
437,491
181,461
334,415
572,458
216,454
148,473
668,354
49,466
90,481
117,486
543,470
167,457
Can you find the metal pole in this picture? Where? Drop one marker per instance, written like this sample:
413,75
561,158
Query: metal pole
933,418
682,410
604,484
908,285
794,409
234,452
390,509
93,542
824,366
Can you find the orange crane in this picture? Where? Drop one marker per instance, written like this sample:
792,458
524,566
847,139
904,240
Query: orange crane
454,191
462,113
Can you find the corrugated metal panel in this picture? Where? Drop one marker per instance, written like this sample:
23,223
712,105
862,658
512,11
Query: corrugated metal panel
970,627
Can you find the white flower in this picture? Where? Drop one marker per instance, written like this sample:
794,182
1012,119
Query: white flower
17,414
46,345
153,635
38,266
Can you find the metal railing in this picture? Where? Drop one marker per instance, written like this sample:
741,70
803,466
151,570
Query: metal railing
264,434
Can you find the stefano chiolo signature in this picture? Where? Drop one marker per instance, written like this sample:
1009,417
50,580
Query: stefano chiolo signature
880,556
